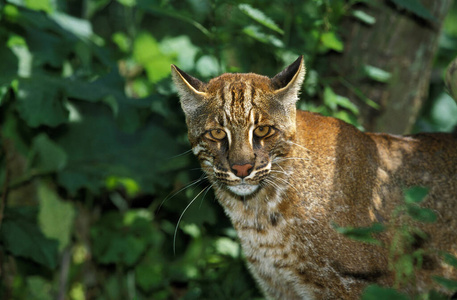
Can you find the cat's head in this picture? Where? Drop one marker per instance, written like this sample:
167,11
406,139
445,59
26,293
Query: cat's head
239,123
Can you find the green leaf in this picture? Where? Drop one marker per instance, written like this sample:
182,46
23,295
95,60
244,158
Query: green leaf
404,267
364,17
8,65
109,151
375,292
363,234
416,194
333,100
443,112
447,283
122,41
227,246
52,211
119,249
39,288
147,52
40,5
415,7
149,274
23,238
146,4
451,79
434,295
94,6
131,186
46,156
359,94
450,259
377,74
128,3
184,50
23,58
79,27
11,12
348,118
115,242
256,33
46,39
40,102
260,17
331,41
421,214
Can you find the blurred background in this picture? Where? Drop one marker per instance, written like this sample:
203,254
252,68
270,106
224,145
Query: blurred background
101,197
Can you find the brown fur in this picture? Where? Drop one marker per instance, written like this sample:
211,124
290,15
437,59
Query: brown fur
309,172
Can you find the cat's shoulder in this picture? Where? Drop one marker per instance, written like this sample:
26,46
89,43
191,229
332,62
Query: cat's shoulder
310,123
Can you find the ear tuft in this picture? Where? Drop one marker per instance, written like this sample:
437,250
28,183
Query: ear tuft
288,82
190,89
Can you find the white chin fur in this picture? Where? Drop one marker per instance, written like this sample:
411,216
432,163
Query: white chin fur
243,189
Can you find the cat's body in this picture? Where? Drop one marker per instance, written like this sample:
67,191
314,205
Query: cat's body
285,176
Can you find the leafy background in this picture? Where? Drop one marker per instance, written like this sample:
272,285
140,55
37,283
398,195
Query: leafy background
96,177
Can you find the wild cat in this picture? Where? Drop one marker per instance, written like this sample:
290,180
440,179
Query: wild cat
284,176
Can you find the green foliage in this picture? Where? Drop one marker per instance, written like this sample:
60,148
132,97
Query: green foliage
22,237
364,17
449,284
375,292
451,79
404,258
53,210
377,74
362,234
93,147
260,17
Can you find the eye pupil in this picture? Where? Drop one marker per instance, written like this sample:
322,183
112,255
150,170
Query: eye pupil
263,131
217,134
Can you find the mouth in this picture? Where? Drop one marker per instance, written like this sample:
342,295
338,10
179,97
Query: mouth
243,189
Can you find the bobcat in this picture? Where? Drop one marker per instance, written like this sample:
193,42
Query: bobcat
284,176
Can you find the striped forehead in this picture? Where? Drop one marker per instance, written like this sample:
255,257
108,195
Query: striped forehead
238,101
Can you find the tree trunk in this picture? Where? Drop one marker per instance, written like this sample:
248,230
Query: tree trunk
399,43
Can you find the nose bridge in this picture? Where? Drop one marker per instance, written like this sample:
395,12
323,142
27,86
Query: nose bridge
241,151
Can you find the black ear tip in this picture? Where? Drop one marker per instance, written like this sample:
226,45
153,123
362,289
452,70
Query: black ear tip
282,79
298,61
174,67
192,81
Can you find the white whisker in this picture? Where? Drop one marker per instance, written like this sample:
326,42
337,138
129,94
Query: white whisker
182,214
287,175
286,182
182,154
298,145
204,195
290,158
197,181
269,181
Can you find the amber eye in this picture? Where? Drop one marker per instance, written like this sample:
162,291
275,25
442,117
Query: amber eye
217,134
264,131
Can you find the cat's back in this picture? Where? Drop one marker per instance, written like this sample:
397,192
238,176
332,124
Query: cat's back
422,159
370,171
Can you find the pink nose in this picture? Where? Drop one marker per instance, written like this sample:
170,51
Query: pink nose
242,170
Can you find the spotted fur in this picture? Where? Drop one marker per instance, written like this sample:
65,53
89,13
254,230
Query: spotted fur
302,172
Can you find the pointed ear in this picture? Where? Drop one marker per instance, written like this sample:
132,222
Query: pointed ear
190,90
288,82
